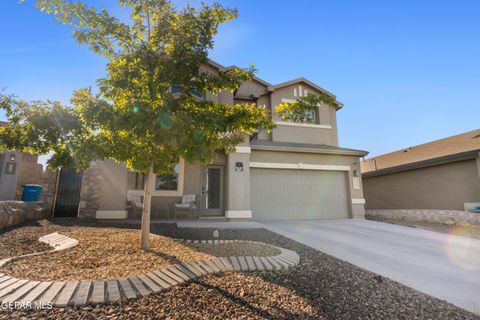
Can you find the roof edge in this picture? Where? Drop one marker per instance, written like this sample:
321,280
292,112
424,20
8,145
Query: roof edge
472,154
271,88
349,152
222,68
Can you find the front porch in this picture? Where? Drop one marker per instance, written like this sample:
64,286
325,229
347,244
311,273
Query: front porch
220,191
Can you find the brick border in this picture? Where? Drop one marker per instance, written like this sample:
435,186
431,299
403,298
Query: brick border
32,294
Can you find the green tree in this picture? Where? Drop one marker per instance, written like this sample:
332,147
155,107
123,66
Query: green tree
135,118
303,108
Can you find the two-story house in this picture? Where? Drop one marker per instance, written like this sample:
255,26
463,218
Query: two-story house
296,171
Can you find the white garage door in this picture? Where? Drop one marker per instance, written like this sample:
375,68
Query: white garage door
298,194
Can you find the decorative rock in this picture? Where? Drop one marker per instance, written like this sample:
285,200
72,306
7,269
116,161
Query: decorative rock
449,217
80,294
14,212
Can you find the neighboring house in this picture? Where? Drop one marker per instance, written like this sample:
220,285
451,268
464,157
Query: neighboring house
297,171
10,163
32,172
443,174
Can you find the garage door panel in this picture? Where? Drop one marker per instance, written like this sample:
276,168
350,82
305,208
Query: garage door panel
299,194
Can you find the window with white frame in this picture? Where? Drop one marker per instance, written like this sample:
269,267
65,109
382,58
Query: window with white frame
168,181
170,184
312,114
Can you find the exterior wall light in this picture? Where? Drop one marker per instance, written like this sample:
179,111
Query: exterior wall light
13,157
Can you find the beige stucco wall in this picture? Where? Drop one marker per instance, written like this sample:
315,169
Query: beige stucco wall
238,183
326,117
299,134
443,187
251,87
356,210
192,184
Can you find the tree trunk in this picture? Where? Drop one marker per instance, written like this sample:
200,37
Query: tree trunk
147,200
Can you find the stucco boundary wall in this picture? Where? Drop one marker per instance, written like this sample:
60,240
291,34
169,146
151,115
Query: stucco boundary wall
15,212
449,217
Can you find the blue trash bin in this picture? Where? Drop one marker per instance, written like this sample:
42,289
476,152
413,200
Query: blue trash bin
31,192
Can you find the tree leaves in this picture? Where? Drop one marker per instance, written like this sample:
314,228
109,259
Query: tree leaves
135,118
302,109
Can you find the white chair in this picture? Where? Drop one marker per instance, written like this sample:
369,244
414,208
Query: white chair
186,207
135,201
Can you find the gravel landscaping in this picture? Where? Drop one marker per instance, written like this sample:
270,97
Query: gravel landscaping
320,287
235,249
102,253
470,231
19,241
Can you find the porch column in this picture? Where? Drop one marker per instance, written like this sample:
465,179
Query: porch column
238,184
104,191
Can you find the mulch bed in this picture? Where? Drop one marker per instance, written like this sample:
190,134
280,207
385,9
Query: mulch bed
22,240
321,287
102,253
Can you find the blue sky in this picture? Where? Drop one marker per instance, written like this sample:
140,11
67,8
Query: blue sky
408,71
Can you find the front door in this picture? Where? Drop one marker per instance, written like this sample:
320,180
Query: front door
212,191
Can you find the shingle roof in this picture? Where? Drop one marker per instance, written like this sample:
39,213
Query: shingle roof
271,87
464,142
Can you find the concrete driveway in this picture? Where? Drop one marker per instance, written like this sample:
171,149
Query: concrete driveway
441,265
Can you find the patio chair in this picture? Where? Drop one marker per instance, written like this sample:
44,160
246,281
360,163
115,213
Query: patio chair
135,204
187,206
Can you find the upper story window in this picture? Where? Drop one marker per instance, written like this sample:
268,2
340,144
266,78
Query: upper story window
195,92
135,181
309,116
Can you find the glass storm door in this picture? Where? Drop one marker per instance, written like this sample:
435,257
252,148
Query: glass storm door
212,192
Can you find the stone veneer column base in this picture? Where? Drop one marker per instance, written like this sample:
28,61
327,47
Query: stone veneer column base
90,191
